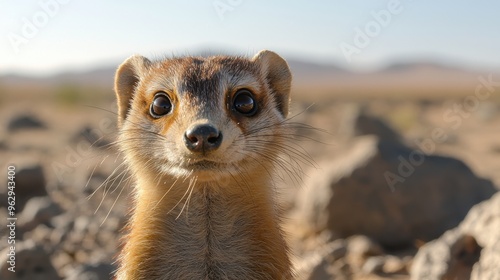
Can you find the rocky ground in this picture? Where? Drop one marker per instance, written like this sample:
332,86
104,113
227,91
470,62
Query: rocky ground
386,191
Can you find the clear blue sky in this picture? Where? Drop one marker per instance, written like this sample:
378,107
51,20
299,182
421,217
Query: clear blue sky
85,34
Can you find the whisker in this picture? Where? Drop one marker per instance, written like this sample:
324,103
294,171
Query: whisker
93,170
188,190
166,192
106,192
120,182
111,112
188,199
112,206
303,155
178,202
106,180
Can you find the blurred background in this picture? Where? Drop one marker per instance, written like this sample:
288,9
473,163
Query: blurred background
404,96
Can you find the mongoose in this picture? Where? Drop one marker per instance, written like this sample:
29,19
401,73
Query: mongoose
202,136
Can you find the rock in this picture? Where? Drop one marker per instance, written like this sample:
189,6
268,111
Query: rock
30,182
62,224
82,224
336,250
395,265
38,210
386,264
433,261
470,251
317,264
31,262
464,253
3,145
360,248
63,262
326,270
39,235
373,265
369,125
25,122
364,247
65,221
92,136
341,270
57,236
389,192
320,271
101,271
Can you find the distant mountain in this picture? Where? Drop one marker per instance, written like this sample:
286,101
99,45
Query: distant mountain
415,79
97,77
300,68
102,77
424,78
411,65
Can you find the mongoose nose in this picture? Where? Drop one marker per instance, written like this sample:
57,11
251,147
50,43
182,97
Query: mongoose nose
202,138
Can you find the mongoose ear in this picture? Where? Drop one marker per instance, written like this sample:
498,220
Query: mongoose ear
127,77
278,76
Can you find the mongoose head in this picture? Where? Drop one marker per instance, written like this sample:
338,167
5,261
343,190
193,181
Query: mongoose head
208,117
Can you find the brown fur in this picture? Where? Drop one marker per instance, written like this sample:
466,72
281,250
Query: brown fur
216,220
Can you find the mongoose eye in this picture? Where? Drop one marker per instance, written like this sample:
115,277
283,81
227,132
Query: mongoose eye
161,105
244,103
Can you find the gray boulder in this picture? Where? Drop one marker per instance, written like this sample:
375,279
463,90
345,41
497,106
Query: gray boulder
470,251
92,136
38,210
389,192
30,182
365,124
101,271
325,263
25,122
31,263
